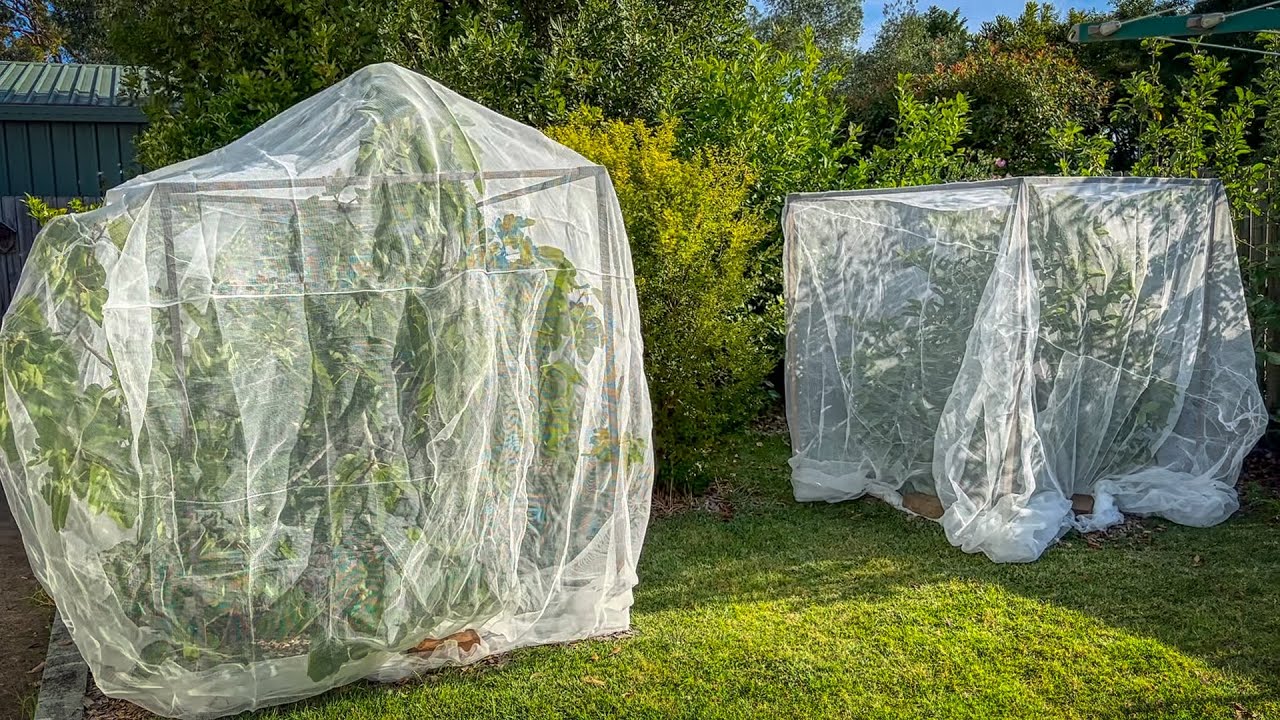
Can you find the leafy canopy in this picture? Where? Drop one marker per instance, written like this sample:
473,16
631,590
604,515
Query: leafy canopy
220,68
835,25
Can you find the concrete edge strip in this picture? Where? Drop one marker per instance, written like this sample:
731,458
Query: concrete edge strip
65,679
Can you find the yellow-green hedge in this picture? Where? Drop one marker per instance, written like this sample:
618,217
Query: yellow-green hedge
693,240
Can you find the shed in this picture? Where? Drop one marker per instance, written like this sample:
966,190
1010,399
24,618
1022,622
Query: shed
66,131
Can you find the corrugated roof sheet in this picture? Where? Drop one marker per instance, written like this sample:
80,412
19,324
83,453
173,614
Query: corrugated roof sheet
64,91
31,83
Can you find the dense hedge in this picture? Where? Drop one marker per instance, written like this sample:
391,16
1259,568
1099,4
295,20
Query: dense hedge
693,241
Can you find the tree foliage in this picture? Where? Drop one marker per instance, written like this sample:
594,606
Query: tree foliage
1017,96
1020,83
216,69
1079,153
66,31
693,241
28,32
833,25
778,110
909,42
1199,128
927,146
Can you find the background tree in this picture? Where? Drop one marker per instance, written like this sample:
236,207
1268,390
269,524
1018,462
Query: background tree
635,58
217,69
1020,83
909,42
835,26
68,31
84,30
778,110
29,32
1018,75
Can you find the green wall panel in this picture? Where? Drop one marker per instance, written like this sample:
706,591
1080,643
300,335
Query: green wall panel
87,163
17,158
109,160
65,158
4,165
43,178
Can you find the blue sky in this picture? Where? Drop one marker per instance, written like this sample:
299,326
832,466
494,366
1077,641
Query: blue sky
975,11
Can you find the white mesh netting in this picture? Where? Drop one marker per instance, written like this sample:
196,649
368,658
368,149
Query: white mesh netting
1007,345
356,395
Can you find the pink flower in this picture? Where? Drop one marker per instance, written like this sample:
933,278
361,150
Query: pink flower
1001,163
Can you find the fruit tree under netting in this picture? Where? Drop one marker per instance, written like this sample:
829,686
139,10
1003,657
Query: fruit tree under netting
1004,346
357,395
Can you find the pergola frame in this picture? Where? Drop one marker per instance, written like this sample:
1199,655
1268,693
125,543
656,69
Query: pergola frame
1203,25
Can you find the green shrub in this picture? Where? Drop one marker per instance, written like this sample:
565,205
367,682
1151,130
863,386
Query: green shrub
1016,96
1198,129
1078,153
43,212
692,241
779,111
927,148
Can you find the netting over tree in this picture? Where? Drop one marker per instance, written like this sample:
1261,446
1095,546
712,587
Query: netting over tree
358,394
1005,346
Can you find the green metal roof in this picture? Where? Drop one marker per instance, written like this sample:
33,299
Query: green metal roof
65,92
1250,20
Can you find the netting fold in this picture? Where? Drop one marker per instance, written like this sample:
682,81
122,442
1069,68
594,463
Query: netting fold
357,395
1006,347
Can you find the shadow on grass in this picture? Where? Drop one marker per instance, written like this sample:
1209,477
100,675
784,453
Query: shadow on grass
857,610
1211,593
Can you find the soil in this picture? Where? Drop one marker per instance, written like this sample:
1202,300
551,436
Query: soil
25,615
1260,482
923,505
773,421
100,707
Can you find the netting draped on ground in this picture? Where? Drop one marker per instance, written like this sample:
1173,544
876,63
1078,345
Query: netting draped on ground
1007,345
356,395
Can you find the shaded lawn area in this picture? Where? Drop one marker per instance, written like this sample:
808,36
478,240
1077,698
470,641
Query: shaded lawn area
855,610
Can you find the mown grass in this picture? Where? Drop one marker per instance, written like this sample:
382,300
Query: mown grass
855,610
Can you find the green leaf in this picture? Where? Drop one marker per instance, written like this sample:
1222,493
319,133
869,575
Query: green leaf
326,658
329,655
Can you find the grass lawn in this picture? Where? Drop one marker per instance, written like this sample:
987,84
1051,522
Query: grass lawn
855,610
